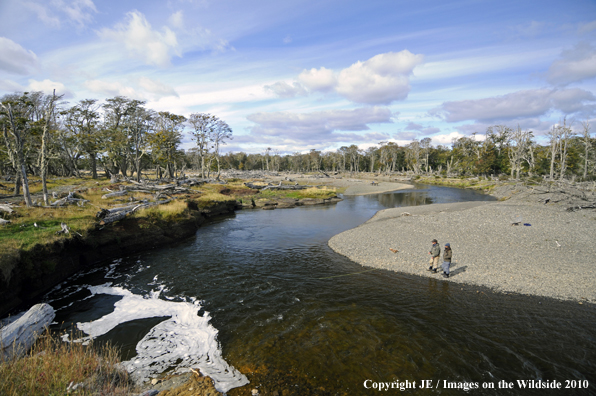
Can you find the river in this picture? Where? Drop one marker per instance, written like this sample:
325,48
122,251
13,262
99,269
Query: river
259,296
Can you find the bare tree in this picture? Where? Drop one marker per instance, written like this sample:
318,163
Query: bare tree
425,145
413,156
49,120
587,145
220,134
203,126
518,151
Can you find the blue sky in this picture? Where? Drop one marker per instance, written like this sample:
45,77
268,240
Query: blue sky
299,75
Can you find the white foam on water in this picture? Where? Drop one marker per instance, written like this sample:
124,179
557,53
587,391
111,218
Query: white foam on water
184,341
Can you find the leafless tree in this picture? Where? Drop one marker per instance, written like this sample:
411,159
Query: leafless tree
203,126
586,139
521,144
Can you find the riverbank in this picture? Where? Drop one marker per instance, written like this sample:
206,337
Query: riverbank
523,245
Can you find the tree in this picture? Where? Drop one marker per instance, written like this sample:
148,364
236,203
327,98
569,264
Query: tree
520,150
165,139
48,121
587,141
413,156
220,134
425,145
16,126
559,137
82,120
203,126
139,123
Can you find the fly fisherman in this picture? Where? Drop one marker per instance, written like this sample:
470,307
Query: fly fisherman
435,253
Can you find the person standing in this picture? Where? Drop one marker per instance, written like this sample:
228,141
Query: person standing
447,253
435,253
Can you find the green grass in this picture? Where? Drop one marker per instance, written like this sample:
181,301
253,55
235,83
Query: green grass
52,365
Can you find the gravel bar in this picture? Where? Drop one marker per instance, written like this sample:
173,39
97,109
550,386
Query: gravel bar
553,256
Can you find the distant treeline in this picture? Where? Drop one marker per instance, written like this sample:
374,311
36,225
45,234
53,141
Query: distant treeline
44,135
503,151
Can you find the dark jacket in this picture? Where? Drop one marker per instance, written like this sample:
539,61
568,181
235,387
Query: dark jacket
447,254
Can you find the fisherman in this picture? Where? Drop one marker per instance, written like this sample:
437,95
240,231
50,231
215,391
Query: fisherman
435,253
447,253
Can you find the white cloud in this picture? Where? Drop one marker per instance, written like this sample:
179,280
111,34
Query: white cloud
382,79
318,127
574,65
47,86
587,27
318,79
112,89
285,90
11,86
195,37
153,47
156,87
16,59
520,104
446,139
177,20
77,12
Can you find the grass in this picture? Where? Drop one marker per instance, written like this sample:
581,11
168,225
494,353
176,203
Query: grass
38,225
312,192
52,365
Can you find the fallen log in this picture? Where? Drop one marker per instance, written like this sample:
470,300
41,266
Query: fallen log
65,229
110,216
114,194
576,208
6,208
2,221
70,199
18,337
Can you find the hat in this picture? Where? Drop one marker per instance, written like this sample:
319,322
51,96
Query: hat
434,240
447,245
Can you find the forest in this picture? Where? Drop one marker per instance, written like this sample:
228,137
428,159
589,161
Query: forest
44,135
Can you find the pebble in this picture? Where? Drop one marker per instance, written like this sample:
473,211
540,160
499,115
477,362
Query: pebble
552,258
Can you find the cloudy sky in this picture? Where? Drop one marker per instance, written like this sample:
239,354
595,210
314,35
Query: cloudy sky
296,75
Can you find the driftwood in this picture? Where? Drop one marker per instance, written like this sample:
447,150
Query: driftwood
65,229
6,208
576,208
275,187
111,215
18,337
2,221
70,199
114,194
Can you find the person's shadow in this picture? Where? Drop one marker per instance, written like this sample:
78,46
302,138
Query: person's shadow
457,270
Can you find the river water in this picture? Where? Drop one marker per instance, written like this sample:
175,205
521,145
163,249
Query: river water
258,295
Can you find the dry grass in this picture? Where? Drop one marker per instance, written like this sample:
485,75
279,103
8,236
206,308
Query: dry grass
52,365
165,212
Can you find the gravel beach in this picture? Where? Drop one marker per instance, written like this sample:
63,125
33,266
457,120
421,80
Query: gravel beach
553,256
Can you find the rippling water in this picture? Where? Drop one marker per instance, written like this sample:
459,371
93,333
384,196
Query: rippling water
291,315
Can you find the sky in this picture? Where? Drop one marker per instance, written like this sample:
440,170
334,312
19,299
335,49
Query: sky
296,75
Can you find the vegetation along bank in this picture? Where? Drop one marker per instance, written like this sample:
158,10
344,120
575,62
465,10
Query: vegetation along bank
90,220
